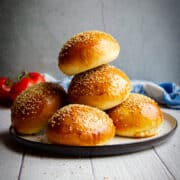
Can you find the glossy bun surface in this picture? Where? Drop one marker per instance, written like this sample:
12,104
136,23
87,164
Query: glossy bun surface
137,116
87,50
80,125
34,106
103,87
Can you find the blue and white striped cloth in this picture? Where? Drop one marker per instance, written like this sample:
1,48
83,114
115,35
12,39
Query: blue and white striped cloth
166,93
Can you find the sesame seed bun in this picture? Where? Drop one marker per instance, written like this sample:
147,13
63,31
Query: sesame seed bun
137,116
103,87
80,125
87,50
35,105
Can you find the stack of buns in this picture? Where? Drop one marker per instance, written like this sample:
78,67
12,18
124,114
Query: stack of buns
98,103
95,83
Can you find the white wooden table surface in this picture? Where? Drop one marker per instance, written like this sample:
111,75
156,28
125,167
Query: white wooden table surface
159,163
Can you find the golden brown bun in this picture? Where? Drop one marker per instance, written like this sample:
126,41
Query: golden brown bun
103,87
80,125
34,106
137,116
87,50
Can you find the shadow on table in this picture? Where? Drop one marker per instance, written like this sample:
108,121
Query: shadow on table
6,139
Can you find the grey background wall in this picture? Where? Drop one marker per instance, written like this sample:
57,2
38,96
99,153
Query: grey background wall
33,31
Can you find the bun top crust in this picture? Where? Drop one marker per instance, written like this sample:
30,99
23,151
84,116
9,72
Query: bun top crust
137,116
138,103
31,101
80,117
103,80
103,87
87,50
80,125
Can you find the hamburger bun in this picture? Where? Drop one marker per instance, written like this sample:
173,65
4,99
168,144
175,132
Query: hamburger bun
103,87
87,50
137,116
80,125
35,105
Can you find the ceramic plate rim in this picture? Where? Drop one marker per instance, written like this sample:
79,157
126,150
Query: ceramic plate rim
101,150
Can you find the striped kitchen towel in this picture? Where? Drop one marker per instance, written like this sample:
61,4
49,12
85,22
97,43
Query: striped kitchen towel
167,93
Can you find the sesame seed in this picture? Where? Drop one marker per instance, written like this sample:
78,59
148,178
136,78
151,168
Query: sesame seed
92,82
135,102
80,118
32,100
83,39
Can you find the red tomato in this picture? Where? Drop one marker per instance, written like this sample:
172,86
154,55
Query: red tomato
5,87
26,80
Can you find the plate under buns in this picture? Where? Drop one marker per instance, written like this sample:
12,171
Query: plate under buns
118,145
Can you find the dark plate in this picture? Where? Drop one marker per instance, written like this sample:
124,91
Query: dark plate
116,146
